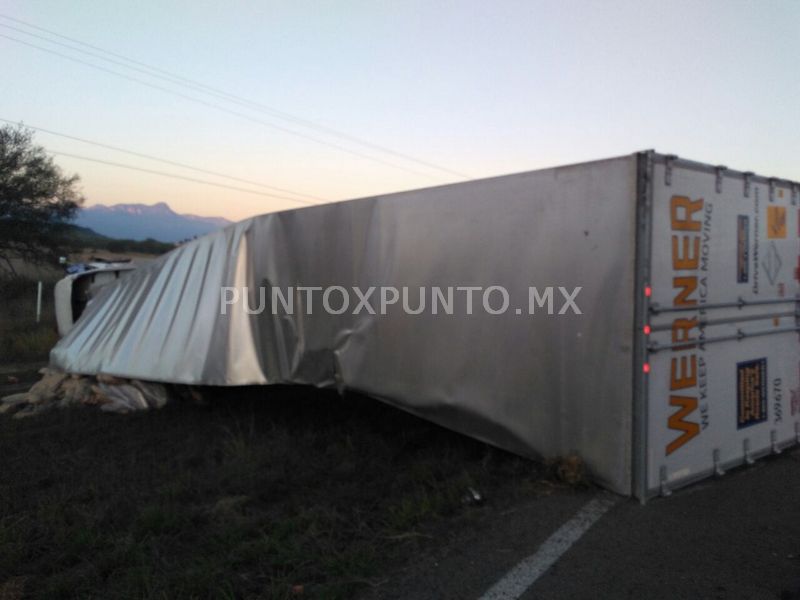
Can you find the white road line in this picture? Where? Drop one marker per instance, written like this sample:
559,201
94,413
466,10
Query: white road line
521,577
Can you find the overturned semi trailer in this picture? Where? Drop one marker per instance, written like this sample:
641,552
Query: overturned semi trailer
651,322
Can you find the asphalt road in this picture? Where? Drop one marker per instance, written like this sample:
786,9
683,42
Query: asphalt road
734,537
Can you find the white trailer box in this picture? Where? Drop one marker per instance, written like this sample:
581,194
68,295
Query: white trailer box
721,256
678,359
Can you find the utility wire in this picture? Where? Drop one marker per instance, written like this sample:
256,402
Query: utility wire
218,107
164,160
238,99
149,71
182,177
206,89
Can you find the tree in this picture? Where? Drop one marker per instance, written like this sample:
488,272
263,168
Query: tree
36,200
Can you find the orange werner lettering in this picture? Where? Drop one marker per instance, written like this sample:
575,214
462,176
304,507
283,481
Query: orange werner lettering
681,330
677,420
683,372
683,364
681,213
685,286
686,259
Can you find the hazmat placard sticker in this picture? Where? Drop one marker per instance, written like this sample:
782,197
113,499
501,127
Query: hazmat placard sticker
776,222
751,392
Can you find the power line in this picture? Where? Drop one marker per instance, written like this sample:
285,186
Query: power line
217,107
64,37
207,89
146,71
235,98
183,177
165,160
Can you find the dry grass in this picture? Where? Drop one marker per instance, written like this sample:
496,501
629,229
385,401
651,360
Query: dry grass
22,339
260,494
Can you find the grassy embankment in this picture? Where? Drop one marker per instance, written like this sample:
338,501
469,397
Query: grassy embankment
22,339
263,493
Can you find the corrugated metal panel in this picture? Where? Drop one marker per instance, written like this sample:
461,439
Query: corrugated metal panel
534,384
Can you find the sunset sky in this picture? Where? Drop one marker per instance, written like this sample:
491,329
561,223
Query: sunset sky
333,100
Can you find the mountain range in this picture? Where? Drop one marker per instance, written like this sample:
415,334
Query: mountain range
142,221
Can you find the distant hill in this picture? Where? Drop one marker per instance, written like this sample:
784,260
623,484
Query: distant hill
142,221
84,234
79,238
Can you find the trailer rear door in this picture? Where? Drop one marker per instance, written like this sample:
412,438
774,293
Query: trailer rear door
723,351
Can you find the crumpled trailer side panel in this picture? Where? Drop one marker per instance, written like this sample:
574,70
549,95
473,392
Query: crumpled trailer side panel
534,384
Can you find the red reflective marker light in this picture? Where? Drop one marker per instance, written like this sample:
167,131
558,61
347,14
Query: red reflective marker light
647,329
646,367
648,291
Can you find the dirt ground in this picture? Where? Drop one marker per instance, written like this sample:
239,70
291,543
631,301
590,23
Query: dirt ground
277,492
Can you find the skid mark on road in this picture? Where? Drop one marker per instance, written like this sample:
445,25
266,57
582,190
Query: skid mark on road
521,577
